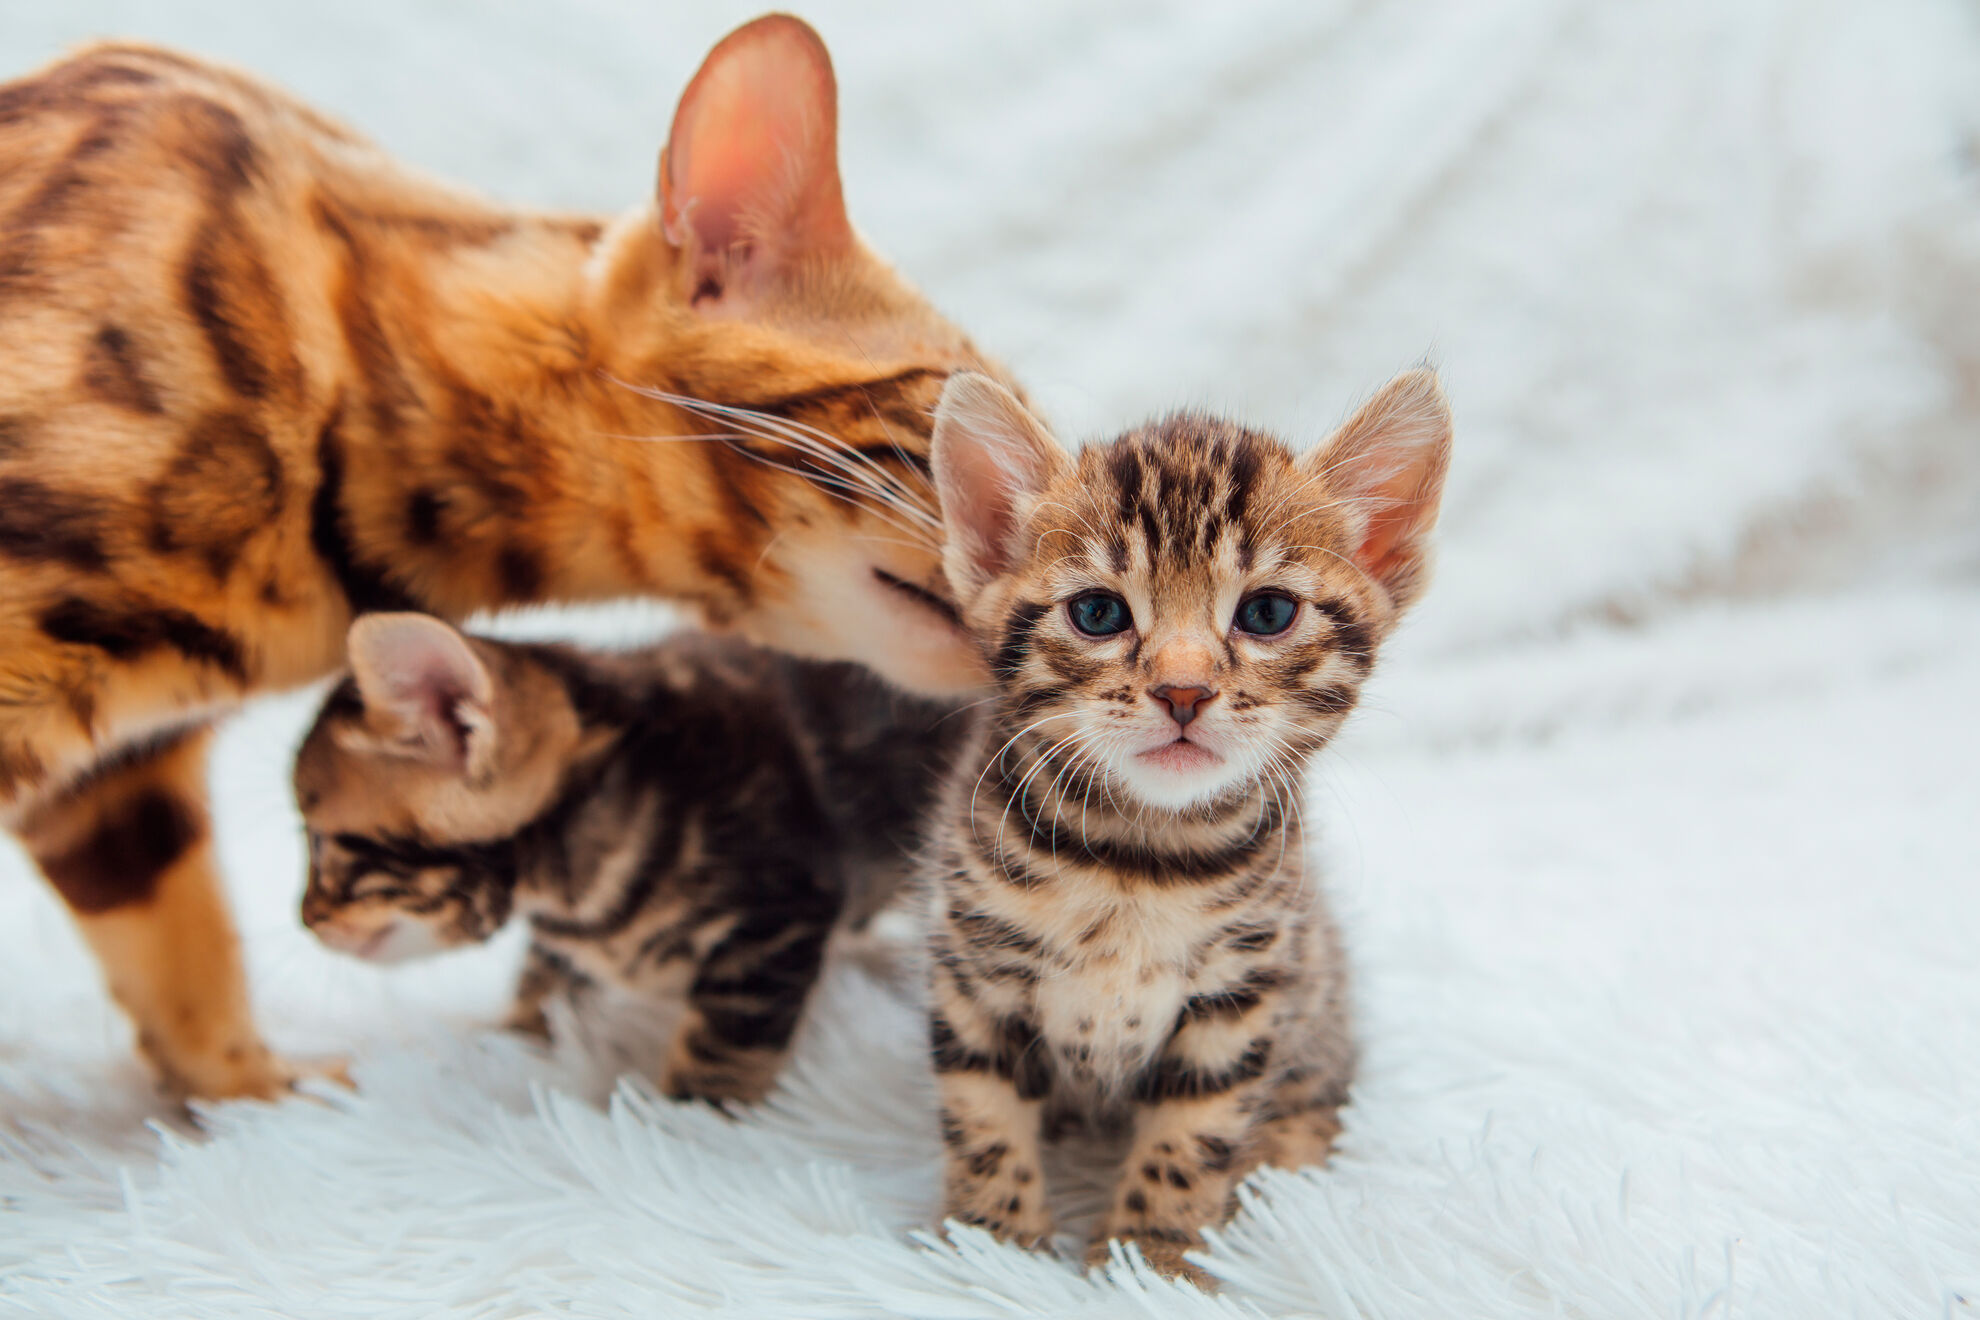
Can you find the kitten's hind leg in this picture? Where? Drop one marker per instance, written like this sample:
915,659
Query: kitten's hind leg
130,849
545,974
745,1003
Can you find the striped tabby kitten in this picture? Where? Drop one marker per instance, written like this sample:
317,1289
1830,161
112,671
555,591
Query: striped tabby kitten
694,815
1126,928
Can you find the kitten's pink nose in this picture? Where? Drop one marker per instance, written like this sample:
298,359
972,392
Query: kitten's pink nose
1182,701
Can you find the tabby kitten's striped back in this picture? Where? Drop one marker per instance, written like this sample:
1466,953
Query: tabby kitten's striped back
1126,925
694,816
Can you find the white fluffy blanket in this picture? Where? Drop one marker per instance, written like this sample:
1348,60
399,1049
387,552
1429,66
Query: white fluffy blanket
1657,844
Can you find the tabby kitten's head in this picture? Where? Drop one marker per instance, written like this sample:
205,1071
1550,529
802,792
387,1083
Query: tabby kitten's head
419,769
1190,607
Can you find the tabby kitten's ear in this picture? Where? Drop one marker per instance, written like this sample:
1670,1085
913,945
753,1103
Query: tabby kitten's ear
990,456
426,695
749,182
1388,462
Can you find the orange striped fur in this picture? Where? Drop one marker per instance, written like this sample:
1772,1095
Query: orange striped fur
256,378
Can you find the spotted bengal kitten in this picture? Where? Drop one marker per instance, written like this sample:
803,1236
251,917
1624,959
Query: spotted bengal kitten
1126,925
695,815
257,378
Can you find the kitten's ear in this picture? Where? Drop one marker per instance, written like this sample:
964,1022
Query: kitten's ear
749,182
1389,462
989,454
426,695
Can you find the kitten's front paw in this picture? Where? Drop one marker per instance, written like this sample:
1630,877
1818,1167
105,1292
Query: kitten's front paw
1010,1213
1162,1251
744,1079
528,1020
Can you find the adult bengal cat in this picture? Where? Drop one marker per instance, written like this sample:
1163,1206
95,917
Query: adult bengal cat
258,379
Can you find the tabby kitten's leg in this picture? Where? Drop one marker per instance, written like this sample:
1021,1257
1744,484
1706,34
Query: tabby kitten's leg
993,1080
130,850
1301,1139
1195,1131
545,973
744,1005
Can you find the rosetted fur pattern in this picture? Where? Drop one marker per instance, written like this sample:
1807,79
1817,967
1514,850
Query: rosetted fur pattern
690,818
1126,926
260,379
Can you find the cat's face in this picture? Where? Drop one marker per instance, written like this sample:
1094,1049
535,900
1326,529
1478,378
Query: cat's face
418,771
747,284
1191,605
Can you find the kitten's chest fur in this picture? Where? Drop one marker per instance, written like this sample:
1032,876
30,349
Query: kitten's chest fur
1118,957
1114,1001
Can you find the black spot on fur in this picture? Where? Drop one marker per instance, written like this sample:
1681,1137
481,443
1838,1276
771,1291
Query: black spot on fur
987,1160
520,571
122,860
207,276
1351,637
113,371
365,587
132,630
423,517
1016,643
39,522
1172,1079
217,144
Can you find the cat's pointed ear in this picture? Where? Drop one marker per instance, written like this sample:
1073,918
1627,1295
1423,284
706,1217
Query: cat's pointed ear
989,455
1388,464
749,182
426,695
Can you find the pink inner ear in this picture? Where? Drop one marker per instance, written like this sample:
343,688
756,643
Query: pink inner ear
415,669
753,157
1385,546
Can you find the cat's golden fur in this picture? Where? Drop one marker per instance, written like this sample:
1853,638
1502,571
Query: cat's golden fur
256,378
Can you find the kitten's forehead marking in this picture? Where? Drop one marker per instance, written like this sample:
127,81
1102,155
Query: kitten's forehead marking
1186,506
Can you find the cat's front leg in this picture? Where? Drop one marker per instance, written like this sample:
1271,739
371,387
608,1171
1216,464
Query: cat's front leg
131,851
1196,1127
993,1078
744,1005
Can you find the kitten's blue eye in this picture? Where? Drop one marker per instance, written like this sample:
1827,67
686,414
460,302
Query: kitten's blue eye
1099,614
1266,614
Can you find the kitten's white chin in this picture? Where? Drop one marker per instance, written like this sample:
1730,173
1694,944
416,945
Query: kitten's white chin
393,942
1177,774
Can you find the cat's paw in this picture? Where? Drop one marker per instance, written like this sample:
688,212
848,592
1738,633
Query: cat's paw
742,1080
1162,1251
528,1020
1007,1211
245,1072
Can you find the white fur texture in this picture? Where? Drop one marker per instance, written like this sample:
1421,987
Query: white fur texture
1656,841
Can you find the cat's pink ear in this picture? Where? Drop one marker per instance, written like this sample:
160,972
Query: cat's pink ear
1388,463
990,457
426,694
749,182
